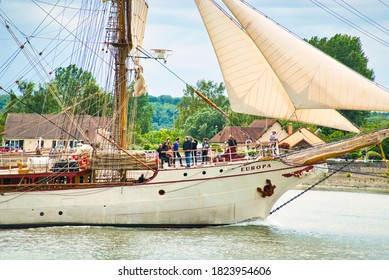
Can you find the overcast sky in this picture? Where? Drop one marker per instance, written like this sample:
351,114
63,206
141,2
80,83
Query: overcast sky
177,25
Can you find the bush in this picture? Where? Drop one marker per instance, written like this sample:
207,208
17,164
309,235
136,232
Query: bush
354,155
373,156
147,147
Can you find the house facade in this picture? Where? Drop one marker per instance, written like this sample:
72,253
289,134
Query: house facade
29,132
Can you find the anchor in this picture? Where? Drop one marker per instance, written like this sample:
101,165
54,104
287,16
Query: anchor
268,189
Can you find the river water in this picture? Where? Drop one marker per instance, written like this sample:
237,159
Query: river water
320,225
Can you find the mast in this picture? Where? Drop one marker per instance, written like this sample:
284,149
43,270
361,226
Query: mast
119,38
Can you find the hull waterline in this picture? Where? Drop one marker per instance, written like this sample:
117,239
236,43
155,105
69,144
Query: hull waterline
199,196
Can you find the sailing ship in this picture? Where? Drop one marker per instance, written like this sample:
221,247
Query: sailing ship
267,72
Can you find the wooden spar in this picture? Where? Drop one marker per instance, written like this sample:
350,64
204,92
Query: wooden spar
322,153
124,46
213,105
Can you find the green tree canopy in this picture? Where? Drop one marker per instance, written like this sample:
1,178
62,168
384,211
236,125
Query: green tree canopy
191,103
144,113
71,87
204,123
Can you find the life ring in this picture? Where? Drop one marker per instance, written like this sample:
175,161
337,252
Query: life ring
84,161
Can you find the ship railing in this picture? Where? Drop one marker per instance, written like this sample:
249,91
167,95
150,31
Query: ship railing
221,154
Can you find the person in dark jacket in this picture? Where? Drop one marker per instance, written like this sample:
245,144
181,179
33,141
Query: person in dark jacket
162,155
194,151
231,151
187,147
176,153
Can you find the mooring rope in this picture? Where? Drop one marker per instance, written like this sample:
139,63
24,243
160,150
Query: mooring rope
311,187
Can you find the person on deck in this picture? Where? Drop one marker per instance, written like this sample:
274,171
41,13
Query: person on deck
273,137
176,153
194,151
232,144
162,155
273,143
204,153
167,147
166,144
187,147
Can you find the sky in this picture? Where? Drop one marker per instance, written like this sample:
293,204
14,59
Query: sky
179,27
176,25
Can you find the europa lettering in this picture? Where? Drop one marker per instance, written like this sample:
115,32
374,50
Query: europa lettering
255,167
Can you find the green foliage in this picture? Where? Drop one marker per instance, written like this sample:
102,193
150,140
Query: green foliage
203,123
165,111
237,119
71,87
32,100
332,135
355,155
165,99
372,155
157,137
4,99
70,80
191,103
144,113
377,121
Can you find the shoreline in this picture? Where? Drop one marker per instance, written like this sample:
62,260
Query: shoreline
357,177
377,190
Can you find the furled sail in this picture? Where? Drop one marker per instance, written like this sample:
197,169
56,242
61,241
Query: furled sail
252,85
311,78
139,11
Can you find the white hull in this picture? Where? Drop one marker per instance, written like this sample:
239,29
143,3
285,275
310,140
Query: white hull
198,196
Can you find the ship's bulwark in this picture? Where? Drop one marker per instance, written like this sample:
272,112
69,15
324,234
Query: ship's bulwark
217,195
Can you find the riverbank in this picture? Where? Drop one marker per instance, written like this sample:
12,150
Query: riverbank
358,177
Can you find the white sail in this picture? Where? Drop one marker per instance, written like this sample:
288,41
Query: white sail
252,85
139,11
311,78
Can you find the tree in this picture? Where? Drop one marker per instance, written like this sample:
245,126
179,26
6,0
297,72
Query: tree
70,81
191,103
347,50
144,113
157,137
32,100
204,123
71,87
238,119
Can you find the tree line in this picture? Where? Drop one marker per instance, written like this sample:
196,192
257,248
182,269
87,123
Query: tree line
163,116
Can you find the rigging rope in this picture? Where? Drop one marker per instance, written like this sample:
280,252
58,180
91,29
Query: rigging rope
334,171
311,187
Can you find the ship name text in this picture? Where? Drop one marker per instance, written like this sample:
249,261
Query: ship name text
255,167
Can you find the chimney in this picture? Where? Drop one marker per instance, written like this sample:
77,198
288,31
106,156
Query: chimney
290,129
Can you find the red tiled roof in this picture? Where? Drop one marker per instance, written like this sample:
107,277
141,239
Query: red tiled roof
241,134
254,131
265,123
